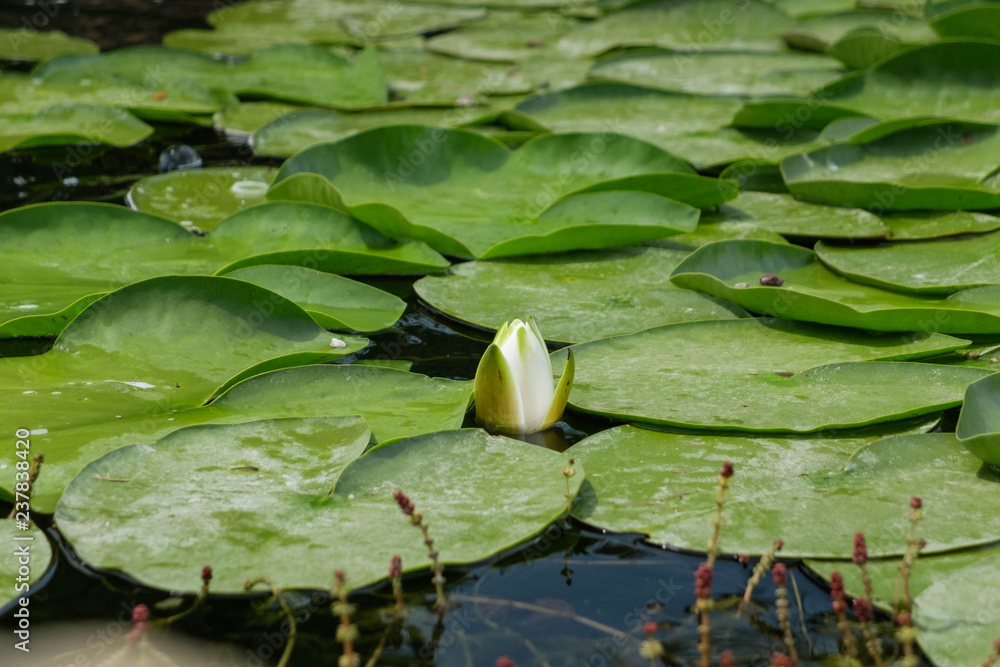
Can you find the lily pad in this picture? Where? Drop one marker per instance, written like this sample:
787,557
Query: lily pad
807,8
978,425
333,301
292,133
691,126
245,39
775,376
731,270
975,18
953,79
814,494
201,197
933,166
467,195
245,118
958,615
630,287
25,45
503,36
743,74
306,483
40,559
291,72
137,356
744,25
788,216
929,568
864,47
416,77
822,32
923,225
40,300
923,267
149,98
71,124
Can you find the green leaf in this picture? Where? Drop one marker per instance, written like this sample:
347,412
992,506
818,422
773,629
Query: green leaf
294,132
40,559
765,375
980,19
922,267
949,79
863,48
807,8
742,74
290,72
71,124
26,45
306,504
466,195
786,215
934,165
814,494
200,197
922,225
691,126
150,98
39,299
245,118
234,39
629,287
821,32
979,423
928,569
417,77
504,36
731,270
958,616
721,25
333,301
136,357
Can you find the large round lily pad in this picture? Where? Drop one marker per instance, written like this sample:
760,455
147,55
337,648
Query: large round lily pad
923,267
935,165
684,25
958,616
732,270
201,197
467,195
40,299
292,72
26,45
292,500
954,79
921,225
765,375
786,215
744,74
136,357
814,494
504,36
630,288
71,124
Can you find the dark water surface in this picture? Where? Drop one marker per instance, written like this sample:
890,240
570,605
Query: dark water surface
574,596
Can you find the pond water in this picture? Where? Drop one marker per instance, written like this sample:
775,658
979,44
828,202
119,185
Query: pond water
574,596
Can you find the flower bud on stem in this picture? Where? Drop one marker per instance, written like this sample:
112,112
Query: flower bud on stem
764,565
417,519
780,574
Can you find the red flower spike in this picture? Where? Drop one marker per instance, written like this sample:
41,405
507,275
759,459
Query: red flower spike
860,556
863,610
404,503
727,470
780,574
726,659
206,573
703,582
395,567
505,661
650,628
140,614
916,502
903,620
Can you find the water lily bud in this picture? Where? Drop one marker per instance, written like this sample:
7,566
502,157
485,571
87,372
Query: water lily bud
514,390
